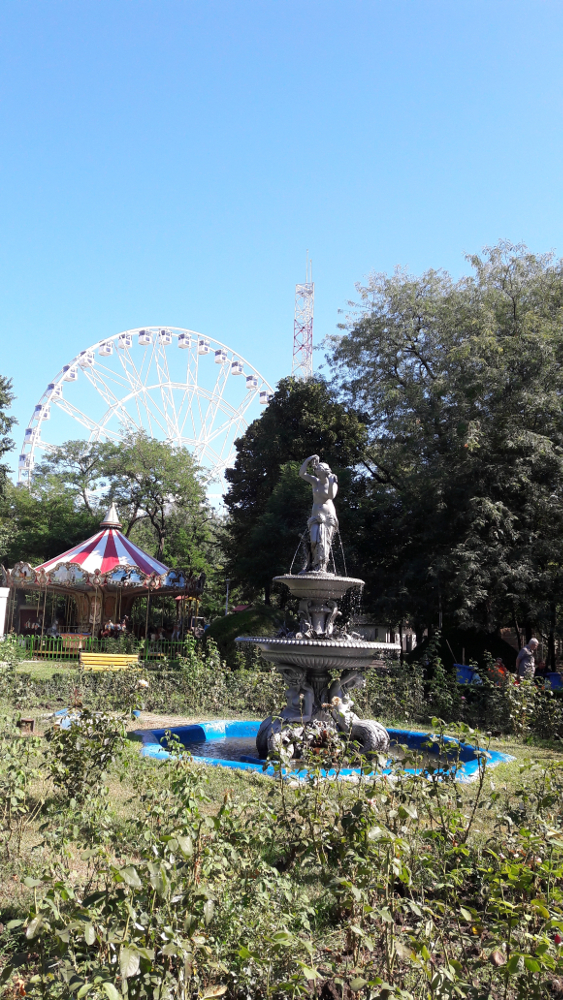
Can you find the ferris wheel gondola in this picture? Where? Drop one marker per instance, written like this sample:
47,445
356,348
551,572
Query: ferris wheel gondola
138,380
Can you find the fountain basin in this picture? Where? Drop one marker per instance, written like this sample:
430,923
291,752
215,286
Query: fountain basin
318,586
221,733
320,655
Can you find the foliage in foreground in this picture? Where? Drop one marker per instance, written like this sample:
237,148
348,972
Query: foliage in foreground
394,887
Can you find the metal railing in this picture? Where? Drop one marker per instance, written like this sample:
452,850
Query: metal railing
69,647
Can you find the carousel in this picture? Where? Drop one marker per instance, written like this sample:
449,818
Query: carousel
100,579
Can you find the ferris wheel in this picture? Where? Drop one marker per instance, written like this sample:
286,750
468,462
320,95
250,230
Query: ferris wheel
174,384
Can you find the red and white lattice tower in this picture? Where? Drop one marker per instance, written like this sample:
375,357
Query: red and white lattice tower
303,327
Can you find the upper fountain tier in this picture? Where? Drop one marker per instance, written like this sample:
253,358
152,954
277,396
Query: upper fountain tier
318,586
321,644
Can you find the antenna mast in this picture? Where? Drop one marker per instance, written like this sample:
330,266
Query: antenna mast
303,326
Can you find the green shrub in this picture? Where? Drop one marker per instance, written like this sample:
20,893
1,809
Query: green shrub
79,756
380,889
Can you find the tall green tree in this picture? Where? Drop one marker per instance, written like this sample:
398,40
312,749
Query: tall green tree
42,520
156,487
160,482
304,417
462,387
6,421
80,467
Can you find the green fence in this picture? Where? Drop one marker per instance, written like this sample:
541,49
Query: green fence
69,647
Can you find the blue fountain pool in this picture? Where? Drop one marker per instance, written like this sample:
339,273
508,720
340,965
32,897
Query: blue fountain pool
232,744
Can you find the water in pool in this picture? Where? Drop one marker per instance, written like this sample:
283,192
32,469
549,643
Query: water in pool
238,747
228,748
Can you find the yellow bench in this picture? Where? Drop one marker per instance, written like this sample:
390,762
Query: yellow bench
107,661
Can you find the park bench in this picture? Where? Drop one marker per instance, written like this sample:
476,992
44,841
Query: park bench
107,661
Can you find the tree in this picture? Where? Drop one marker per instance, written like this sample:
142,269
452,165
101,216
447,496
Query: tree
80,467
155,485
6,444
156,480
42,520
275,534
462,386
6,422
304,417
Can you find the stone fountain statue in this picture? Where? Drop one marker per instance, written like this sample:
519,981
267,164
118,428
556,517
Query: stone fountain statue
323,521
306,660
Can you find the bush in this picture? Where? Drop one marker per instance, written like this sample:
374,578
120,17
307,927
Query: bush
381,889
261,619
79,757
395,693
201,684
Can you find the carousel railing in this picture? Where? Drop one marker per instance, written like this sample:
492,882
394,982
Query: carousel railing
69,647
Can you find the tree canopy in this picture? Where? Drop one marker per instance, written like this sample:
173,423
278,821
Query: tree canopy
158,481
156,486
461,384
6,421
265,499
6,444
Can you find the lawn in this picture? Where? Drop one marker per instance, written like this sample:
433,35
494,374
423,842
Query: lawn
125,876
45,669
130,874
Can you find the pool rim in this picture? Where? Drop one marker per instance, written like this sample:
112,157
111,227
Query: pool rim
241,728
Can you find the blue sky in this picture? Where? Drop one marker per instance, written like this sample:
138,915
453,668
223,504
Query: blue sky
170,162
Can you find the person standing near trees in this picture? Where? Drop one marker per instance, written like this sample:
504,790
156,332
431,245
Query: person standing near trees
525,661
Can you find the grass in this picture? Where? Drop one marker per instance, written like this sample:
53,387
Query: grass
314,887
45,669
268,870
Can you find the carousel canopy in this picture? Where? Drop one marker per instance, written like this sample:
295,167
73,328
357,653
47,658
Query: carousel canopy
105,550
106,560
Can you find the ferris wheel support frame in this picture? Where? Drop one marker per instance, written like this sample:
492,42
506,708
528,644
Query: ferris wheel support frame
155,402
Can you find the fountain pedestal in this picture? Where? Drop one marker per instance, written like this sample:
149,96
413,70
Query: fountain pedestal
308,660
321,646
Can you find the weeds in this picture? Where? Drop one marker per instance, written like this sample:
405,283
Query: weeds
155,880
396,886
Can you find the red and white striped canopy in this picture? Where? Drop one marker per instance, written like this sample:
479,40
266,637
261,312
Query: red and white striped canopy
107,549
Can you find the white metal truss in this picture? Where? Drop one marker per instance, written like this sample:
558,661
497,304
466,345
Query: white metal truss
171,394
303,330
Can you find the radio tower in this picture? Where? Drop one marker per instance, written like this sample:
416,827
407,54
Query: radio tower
303,326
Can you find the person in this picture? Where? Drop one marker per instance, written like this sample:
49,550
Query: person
525,661
498,672
323,521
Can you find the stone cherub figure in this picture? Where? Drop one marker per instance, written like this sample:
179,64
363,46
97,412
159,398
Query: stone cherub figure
323,521
371,735
298,709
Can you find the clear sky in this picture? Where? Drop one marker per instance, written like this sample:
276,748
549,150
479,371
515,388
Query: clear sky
169,162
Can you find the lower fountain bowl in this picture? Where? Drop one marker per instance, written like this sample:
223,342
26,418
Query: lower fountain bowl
318,655
208,741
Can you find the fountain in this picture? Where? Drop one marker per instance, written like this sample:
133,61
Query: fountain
307,658
319,707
